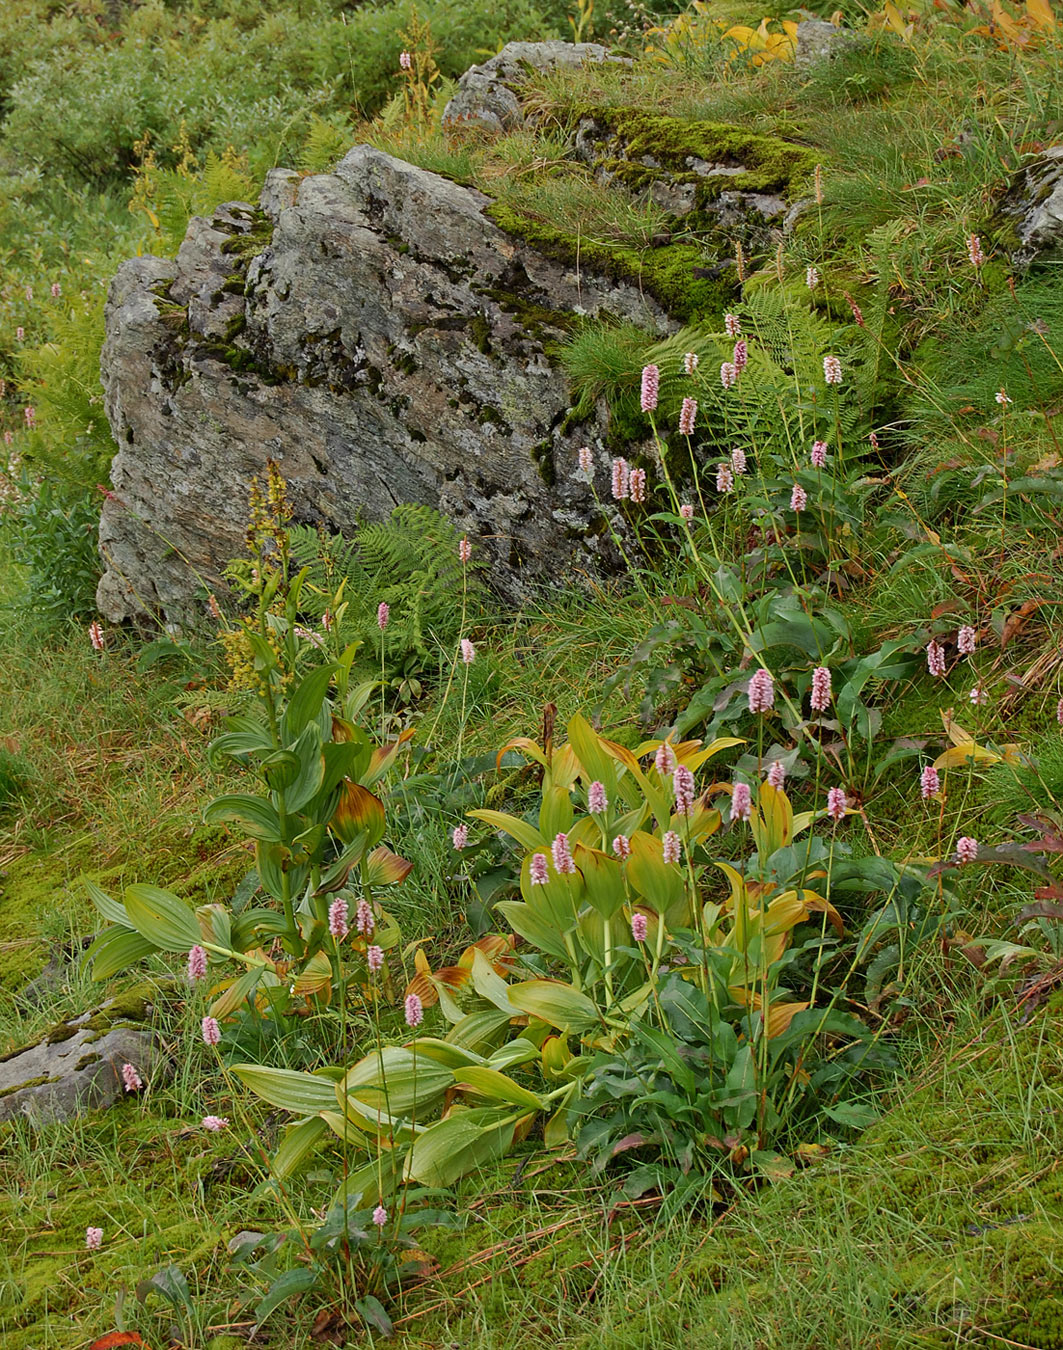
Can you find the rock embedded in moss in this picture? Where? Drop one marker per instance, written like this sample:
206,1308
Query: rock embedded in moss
77,1066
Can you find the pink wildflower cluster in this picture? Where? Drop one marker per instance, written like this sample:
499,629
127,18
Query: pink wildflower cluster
651,383
621,480
671,847
564,863
539,869
820,699
687,414
761,691
639,927
338,924
741,801
929,782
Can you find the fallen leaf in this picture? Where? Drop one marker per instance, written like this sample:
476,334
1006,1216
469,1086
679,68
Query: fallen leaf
1016,620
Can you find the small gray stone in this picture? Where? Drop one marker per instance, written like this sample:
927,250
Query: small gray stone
818,40
1033,208
63,1077
485,95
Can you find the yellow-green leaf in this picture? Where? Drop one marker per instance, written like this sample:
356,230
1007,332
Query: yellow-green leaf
559,1004
487,1082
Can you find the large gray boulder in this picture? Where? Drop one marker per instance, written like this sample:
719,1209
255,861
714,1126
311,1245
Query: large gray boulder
379,337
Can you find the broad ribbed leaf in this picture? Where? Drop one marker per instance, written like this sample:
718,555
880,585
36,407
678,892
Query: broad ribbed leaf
559,1004
112,910
304,1093
454,1147
163,918
298,1143
117,950
497,1086
255,816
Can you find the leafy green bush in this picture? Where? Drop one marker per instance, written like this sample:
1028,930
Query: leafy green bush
52,531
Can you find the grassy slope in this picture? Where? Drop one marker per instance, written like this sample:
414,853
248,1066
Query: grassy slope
938,1227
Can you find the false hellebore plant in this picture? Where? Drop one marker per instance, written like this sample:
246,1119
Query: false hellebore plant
624,953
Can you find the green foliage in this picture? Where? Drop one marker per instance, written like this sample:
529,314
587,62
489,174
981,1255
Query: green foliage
410,563
52,530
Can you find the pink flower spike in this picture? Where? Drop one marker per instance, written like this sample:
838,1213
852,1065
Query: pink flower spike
671,847
96,636
30,415
460,837
380,1216
651,380
621,484
20,333
872,440
741,802
690,363
215,1123
564,863
740,356
974,250
639,927
761,691
637,483
738,460
586,461
464,549
732,326
832,370
1002,398
1059,712
622,847
684,788
686,511
197,963
364,919
819,454
979,696
539,869
811,278
664,761
687,414
93,1239
725,479
57,290
468,652
597,801
798,498
374,958
211,1031
929,782
728,374
966,849
405,61
337,918
777,774
383,614
820,699
414,1011
966,640
837,804
131,1080
935,658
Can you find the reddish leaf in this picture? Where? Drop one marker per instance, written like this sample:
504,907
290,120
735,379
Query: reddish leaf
628,1141
1016,620
113,1339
